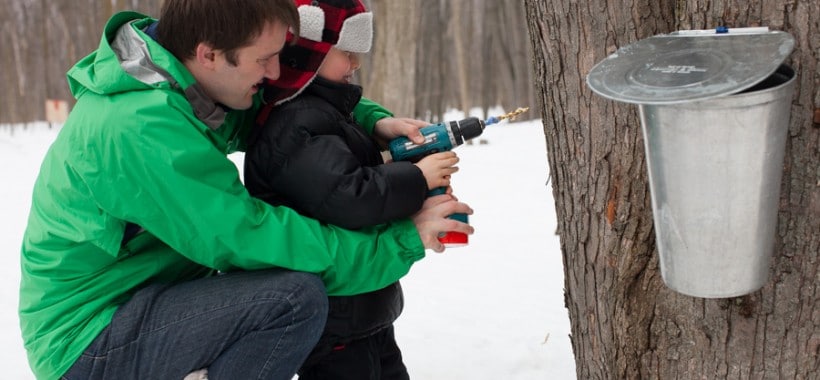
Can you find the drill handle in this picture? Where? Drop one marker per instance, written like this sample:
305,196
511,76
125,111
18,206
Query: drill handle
437,191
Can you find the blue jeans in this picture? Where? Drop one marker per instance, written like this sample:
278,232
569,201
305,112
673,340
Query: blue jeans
243,325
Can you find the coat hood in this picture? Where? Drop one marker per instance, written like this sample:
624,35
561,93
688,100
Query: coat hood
130,60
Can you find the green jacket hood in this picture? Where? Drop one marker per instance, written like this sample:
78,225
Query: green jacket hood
129,60
126,60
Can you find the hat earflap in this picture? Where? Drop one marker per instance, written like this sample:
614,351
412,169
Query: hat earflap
357,33
312,22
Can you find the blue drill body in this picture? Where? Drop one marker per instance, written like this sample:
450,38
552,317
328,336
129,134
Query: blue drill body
440,137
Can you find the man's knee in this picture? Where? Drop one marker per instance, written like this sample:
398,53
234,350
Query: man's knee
311,296
296,299
309,304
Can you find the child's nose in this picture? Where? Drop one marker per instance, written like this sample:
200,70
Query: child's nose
355,63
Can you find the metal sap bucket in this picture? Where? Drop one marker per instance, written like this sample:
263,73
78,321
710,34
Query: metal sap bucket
715,113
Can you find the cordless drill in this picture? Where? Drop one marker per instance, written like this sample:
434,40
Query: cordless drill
440,138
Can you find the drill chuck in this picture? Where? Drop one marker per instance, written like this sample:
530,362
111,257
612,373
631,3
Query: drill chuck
466,129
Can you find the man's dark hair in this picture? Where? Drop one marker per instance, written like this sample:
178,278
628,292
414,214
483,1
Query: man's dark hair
225,25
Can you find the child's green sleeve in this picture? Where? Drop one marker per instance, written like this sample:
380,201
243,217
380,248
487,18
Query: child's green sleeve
368,112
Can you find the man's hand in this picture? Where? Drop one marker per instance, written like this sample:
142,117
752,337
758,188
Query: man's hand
391,127
432,220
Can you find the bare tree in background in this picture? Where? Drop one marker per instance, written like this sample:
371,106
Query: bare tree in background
508,62
42,39
457,28
22,50
434,87
467,53
392,75
428,55
625,323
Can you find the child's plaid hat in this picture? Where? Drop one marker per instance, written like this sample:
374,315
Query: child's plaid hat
344,24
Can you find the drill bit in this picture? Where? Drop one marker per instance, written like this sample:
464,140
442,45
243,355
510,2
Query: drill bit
510,115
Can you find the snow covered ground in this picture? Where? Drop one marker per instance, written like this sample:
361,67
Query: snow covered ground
491,310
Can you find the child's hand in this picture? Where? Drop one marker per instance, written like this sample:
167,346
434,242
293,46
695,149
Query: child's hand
391,127
437,169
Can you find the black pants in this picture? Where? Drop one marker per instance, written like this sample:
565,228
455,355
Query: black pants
376,357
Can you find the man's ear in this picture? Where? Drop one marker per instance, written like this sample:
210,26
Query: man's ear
205,55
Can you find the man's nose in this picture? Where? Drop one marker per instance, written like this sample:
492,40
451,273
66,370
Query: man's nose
272,69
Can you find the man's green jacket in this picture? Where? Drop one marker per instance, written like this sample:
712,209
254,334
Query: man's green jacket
145,147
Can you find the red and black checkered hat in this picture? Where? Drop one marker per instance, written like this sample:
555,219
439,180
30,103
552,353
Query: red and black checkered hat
344,24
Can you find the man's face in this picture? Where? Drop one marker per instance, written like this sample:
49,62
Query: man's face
235,85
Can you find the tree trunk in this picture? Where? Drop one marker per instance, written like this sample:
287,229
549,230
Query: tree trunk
625,323
21,50
507,52
457,29
391,77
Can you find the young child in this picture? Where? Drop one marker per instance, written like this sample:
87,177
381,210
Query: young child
310,155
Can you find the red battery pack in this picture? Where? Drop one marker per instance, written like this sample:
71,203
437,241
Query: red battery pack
453,239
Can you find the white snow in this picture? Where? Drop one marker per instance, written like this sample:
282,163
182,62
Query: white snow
491,310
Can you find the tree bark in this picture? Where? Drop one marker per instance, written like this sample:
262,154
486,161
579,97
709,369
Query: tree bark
625,323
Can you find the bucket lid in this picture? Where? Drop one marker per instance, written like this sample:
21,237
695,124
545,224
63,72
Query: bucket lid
690,65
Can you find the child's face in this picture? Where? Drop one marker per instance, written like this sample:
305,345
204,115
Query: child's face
339,66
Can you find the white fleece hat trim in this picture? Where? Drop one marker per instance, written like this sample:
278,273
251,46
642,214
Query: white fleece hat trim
357,33
311,22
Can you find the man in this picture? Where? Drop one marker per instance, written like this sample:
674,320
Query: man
137,205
